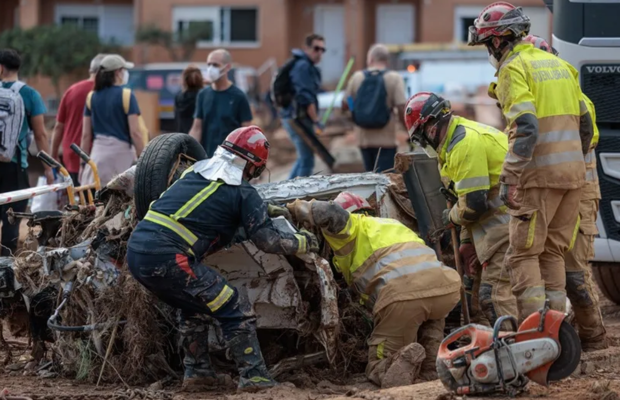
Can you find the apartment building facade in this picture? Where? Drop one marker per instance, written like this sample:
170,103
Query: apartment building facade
256,31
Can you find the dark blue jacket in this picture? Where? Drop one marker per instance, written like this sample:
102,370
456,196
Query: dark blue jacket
306,79
211,213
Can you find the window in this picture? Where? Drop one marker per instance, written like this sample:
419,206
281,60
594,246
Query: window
217,25
90,24
112,23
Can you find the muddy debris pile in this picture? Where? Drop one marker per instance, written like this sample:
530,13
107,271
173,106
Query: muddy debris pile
93,322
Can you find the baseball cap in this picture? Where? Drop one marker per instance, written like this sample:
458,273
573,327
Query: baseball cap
113,62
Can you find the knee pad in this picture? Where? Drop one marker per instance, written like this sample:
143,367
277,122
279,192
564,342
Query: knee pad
577,290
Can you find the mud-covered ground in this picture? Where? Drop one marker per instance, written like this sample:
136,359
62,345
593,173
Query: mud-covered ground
597,378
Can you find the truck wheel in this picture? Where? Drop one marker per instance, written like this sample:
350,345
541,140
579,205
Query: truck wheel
607,276
156,163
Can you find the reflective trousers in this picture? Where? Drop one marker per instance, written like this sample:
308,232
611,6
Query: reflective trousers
405,322
541,232
195,288
580,287
492,292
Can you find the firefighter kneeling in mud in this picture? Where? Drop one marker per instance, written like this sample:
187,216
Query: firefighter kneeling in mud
397,276
197,216
471,156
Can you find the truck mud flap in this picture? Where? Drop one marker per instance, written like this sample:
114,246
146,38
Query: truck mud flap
309,137
423,182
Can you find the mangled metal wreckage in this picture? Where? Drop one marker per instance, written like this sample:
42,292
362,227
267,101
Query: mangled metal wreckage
288,293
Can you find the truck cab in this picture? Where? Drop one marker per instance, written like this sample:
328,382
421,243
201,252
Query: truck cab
586,33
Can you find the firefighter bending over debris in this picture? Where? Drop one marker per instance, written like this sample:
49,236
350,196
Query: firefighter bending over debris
197,216
471,156
409,291
549,131
580,287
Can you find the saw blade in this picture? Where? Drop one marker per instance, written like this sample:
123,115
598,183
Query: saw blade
570,353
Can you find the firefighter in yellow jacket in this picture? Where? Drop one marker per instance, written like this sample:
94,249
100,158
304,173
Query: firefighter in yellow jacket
580,287
549,131
471,157
397,276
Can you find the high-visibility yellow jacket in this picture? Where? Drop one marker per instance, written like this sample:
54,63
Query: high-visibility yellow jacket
549,127
472,157
591,189
381,258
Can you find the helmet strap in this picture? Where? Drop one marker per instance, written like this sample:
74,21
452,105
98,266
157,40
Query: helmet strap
439,126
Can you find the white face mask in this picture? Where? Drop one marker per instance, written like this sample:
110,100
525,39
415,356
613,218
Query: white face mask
213,73
493,61
125,77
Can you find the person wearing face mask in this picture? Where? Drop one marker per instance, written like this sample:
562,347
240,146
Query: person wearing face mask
110,128
549,131
221,107
471,156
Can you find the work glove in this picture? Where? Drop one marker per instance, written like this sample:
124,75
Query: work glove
319,127
508,194
301,211
312,243
445,219
275,211
467,250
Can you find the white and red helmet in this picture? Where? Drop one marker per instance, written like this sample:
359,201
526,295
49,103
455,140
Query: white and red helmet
352,202
498,20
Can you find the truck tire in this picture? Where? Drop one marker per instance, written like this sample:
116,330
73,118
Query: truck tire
155,164
607,276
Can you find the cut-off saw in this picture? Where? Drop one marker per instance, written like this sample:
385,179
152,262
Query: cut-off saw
476,359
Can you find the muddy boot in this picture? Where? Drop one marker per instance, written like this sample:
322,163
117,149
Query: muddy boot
597,343
404,367
253,374
199,375
430,336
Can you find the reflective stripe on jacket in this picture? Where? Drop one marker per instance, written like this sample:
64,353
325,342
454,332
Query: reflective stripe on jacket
386,262
542,105
472,157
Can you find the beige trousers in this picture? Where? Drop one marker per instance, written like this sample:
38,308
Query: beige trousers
580,287
405,322
541,232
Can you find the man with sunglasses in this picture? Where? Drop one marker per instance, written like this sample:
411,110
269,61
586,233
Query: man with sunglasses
302,114
221,107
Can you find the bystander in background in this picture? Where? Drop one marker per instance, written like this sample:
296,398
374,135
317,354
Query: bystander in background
68,128
111,130
372,96
28,110
302,114
221,107
185,100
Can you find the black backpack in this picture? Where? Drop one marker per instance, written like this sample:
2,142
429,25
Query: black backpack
282,90
370,110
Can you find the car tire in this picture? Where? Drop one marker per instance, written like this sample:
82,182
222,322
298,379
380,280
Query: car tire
607,276
156,163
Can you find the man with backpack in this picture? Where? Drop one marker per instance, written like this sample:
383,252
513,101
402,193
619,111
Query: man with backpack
294,91
21,110
371,96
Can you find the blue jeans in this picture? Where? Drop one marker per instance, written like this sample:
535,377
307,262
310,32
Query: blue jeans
386,158
305,156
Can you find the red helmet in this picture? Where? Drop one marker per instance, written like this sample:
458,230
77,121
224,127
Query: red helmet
497,20
421,108
352,202
250,144
541,44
